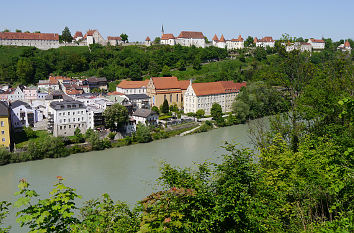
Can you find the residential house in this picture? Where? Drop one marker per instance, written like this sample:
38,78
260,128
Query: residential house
317,44
4,95
5,125
139,101
190,38
78,36
94,117
30,93
165,88
17,94
301,46
203,95
264,42
97,83
22,114
65,116
130,126
235,43
132,87
145,116
168,39
42,93
219,43
345,47
38,40
114,40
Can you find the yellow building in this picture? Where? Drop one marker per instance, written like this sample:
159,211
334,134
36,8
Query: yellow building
5,125
166,88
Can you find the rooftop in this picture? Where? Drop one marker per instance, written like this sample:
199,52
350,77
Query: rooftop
28,36
191,34
125,84
141,112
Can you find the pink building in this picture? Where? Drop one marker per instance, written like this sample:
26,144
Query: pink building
31,93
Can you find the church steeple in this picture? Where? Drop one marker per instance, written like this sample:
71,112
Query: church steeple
162,31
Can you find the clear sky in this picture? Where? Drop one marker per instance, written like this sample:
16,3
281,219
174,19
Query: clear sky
141,18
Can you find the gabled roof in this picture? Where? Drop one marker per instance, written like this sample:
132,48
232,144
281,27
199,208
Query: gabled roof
28,36
18,103
316,40
115,93
266,39
165,83
167,36
213,88
53,80
184,84
141,112
215,38
114,38
255,40
191,34
78,34
147,39
90,32
222,39
239,39
125,84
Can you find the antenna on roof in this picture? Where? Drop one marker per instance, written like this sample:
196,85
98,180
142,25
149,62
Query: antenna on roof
163,32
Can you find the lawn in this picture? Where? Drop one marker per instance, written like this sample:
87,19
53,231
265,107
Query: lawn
21,140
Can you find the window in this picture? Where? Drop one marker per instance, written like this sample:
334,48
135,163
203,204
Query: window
2,124
61,127
78,119
170,98
164,97
3,139
177,97
68,113
69,126
2,132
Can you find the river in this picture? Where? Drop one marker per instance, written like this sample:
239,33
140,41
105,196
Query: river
126,173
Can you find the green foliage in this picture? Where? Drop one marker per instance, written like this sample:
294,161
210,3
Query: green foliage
200,113
142,134
216,113
52,147
164,107
165,71
155,109
206,126
249,42
124,37
103,215
66,35
173,108
4,211
115,116
5,156
53,214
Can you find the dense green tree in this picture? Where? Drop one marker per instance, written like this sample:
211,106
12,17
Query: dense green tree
200,113
197,63
124,37
164,107
24,70
166,71
216,113
249,42
155,109
115,116
66,35
142,133
157,40
18,30
4,211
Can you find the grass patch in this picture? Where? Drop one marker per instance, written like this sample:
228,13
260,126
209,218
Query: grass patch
9,52
21,140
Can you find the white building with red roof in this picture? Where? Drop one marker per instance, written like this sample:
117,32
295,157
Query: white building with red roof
190,38
114,40
78,36
132,87
39,40
148,41
204,95
168,39
316,43
94,37
345,47
235,43
264,42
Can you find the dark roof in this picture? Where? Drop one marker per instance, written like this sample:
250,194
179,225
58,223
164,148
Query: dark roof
4,109
141,112
137,96
18,103
59,94
58,104
95,79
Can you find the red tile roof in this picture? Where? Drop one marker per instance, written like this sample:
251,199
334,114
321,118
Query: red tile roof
266,39
316,40
147,39
28,36
190,34
239,39
90,32
184,84
255,40
222,39
132,84
347,44
213,88
78,34
114,38
54,80
115,93
166,83
73,92
215,38
167,36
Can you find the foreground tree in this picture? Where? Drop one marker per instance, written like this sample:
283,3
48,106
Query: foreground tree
124,37
216,113
115,116
165,108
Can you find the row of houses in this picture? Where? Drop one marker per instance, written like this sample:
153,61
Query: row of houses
185,38
185,94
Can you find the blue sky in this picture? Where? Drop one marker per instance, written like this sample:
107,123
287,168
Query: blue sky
138,19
